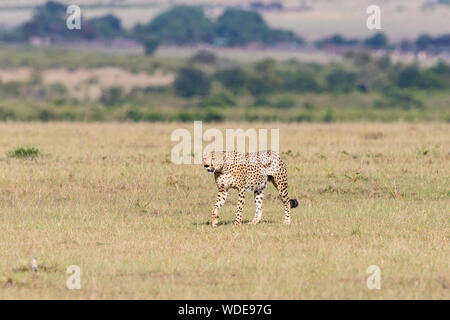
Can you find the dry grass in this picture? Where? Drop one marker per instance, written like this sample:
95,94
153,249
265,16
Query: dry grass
108,199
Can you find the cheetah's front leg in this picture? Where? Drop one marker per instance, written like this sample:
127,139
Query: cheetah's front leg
240,206
259,195
221,197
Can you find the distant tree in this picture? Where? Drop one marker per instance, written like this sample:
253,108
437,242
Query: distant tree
440,71
424,42
50,9
192,82
212,115
384,62
233,78
395,97
341,81
111,96
442,42
204,57
106,27
150,45
441,68
265,79
221,99
47,19
358,58
413,77
239,27
378,41
409,77
428,43
336,40
406,45
180,25
300,81
437,44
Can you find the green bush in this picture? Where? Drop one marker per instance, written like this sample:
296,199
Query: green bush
299,81
29,152
233,79
341,81
265,78
192,82
213,115
7,114
433,78
150,45
329,116
137,115
111,96
203,57
11,89
47,115
221,99
134,115
185,116
410,77
154,117
284,102
304,117
393,97
262,101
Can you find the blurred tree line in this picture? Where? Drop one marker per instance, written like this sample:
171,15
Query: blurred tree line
210,88
182,25
179,25
362,72
423,42
49,20
214,89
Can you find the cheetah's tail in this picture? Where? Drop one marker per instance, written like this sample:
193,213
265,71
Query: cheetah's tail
293,203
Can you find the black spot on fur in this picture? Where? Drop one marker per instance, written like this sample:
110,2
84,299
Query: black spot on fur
293,203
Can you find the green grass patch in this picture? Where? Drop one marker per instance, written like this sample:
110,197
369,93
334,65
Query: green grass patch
24,153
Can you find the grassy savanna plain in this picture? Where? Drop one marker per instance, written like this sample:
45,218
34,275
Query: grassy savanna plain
106,197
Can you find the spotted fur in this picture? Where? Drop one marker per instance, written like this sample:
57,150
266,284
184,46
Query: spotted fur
248,172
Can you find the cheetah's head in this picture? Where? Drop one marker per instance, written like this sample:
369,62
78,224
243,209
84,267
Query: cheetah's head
213,161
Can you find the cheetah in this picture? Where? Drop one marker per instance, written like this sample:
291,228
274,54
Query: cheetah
248,172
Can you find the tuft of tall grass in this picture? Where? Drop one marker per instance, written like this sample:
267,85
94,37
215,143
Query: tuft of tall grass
24,153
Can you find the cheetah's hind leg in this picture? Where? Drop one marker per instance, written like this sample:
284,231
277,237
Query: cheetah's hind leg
279,180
